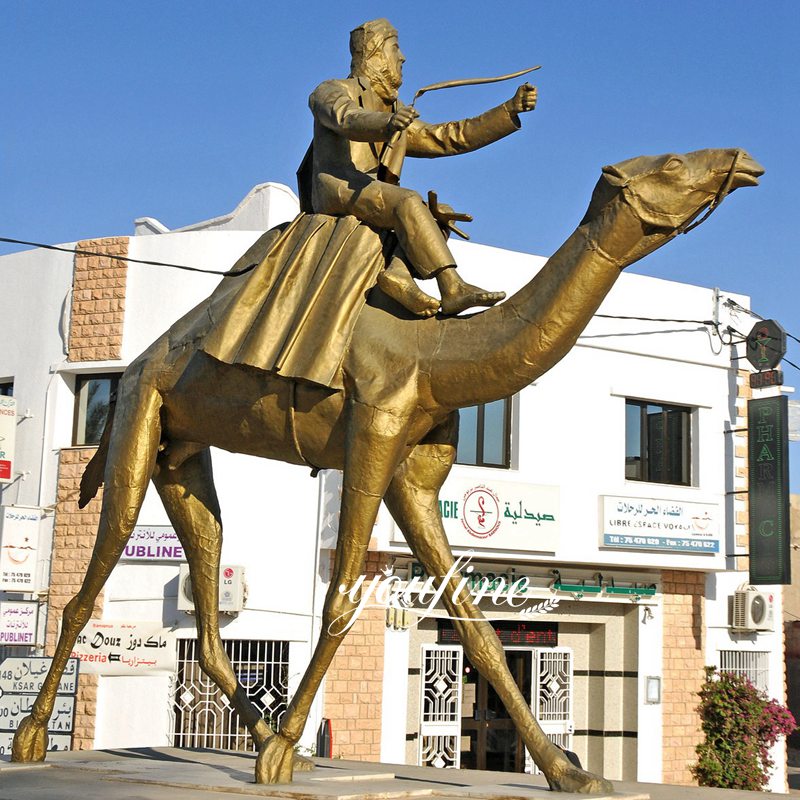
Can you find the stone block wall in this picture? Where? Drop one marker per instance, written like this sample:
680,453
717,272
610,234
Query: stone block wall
684,663
98,300
354,683
74,535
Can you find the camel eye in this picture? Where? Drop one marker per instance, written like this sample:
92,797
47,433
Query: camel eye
673,163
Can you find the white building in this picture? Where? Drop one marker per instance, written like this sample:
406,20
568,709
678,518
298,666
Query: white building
610,484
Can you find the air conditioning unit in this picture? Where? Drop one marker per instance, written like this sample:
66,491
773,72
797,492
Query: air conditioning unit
753,610
232,590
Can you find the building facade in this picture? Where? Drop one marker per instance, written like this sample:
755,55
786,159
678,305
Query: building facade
598,517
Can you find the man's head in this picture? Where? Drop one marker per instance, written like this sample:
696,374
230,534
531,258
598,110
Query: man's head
375,55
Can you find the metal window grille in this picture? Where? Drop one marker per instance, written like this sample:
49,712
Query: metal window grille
203,715
753,665
440,718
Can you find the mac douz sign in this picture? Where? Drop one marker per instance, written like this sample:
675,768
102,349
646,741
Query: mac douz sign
768,461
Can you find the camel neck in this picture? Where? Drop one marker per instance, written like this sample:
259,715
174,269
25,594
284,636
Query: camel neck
500,351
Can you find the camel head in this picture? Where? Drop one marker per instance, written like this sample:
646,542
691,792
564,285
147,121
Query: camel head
667,193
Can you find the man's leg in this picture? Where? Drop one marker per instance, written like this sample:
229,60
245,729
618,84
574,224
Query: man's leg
391,207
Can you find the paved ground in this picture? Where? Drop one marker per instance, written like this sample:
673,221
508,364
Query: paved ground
172,774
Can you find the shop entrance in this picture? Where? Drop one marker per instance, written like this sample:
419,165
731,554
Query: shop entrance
464,724
488,737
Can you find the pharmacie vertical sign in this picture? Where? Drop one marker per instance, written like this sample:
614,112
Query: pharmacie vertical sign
768,460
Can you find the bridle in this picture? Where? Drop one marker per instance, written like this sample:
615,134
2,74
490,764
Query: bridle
716,201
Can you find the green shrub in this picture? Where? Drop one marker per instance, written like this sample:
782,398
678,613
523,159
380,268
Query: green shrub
740,724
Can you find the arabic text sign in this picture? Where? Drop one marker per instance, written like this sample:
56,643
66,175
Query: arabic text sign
125,648
153,543
19,541
8,432
501,515
15,707
634,523
55,741
26,675
18,623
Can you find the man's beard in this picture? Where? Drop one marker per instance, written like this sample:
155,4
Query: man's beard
385,81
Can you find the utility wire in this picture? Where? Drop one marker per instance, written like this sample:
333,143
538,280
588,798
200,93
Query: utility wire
659,319
227,273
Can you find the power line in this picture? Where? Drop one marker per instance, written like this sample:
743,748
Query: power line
75,251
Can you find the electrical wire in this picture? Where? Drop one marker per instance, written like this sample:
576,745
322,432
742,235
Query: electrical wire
232,273
227,273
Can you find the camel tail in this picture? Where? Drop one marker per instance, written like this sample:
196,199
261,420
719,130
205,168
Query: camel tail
92,478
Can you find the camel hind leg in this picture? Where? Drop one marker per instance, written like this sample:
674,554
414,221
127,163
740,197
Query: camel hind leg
132,454
190,500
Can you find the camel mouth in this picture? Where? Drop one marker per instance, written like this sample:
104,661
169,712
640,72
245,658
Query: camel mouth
748,171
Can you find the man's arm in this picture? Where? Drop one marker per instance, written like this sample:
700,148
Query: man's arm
331,104
451,138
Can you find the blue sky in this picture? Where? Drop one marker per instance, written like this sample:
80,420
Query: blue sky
175,110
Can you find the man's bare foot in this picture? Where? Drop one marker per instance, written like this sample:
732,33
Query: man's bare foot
468,296
397,283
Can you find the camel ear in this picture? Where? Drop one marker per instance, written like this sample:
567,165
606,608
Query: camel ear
607,188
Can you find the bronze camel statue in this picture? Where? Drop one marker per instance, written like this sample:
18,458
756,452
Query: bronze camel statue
392,429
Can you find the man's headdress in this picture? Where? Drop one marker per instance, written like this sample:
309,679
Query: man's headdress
367,39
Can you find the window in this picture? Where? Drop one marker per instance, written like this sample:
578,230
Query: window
485,434
93,394
6,388
657,442
750,664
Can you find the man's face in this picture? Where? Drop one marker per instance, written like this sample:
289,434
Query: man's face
386,70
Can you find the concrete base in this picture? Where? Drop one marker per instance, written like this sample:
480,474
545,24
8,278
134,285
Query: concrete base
173,774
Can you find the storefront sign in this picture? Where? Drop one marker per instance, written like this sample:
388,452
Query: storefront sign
500,515
8,433
18,623
634,523
153,543
19,541
768,461
125,648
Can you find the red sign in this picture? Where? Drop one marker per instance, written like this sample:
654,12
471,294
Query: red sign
5,470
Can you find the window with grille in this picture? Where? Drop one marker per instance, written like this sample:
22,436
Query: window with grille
484,435
753,665
203,715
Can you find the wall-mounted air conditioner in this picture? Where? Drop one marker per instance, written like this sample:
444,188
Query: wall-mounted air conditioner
232,590
753,610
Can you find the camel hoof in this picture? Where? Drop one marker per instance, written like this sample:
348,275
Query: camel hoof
275,760
30,742
573,779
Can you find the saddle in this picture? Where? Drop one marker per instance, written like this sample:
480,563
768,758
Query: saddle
294,314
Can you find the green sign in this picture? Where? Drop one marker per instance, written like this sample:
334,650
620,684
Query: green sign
768,457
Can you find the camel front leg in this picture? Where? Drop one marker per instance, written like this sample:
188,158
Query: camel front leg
374,445
131,461
413,499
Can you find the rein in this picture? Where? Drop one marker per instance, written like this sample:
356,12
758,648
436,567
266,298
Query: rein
716,201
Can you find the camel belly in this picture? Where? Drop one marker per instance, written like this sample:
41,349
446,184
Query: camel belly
246,410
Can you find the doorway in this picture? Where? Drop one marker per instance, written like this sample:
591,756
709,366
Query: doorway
489,739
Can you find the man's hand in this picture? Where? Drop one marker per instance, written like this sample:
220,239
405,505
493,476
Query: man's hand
523,100
401,119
